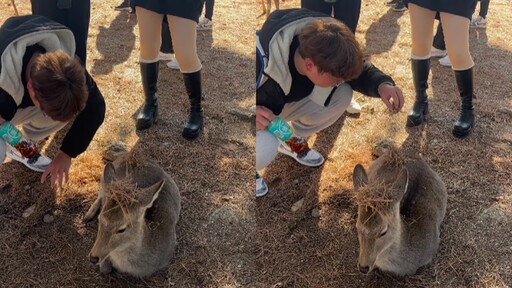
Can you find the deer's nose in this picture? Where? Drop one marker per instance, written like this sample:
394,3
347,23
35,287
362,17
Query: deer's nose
94,260
364,269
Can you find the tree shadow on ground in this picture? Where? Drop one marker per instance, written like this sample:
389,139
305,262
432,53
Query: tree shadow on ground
382,34
115,43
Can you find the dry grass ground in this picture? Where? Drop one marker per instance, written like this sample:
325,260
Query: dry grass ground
299,250
215,174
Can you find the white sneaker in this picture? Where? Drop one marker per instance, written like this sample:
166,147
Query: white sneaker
445,61
37,163
434,52
354,107
308,157
205,24
478,22
173,64
261,186
165,56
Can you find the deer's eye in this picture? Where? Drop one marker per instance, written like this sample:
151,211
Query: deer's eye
121,230
384,232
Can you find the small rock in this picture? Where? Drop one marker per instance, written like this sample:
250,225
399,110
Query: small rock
492,214
435,141
114,150
5,187
380,147
27,187
507,111
29,211
296,181
278,284
315,212
296,206
47,218
247,116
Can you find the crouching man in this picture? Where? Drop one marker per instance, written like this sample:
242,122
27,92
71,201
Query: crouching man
308,66
43,87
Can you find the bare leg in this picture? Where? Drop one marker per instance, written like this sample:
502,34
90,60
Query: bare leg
422,22
456,35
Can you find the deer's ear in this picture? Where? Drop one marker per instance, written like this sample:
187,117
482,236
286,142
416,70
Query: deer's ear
151,194
359,177
109,173
400,185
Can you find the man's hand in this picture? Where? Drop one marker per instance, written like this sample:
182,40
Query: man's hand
58,169
391,96
2,120
263,117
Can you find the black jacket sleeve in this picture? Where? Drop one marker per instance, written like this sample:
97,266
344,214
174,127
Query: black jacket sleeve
368,82
271,96
86,123
8,106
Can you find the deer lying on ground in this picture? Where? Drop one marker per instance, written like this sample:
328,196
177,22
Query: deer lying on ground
140,206
401,204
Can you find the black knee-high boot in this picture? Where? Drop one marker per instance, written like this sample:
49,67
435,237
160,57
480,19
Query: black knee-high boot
420,70
194,124
464,125
149,112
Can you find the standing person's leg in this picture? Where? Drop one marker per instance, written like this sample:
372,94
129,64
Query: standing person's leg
166,50
76,17
484,8
348,11
209,9
150,37
206,22
184,36
399,6
439,47
438,42
166,46
276,4
422,21
457,44
269,8
481,21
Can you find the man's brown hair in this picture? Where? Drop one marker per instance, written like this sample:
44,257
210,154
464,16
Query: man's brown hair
332,47
59,84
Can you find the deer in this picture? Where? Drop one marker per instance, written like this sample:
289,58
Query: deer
401,204
139,207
